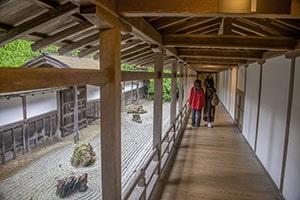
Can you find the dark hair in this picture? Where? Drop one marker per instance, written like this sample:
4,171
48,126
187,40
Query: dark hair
210,82
197,81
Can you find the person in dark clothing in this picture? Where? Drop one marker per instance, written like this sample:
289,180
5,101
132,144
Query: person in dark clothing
209,110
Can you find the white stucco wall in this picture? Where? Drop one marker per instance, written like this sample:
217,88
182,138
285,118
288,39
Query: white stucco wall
241,78
233,91
292,176
10,110
93,92
273,111
251,103
41,103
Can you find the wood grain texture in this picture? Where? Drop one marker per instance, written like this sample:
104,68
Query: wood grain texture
110,59
20,79
216,164
229,41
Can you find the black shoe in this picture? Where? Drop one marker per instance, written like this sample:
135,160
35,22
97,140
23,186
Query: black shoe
193,125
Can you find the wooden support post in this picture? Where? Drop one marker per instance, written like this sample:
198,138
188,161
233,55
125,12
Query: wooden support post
157,113
173,92
75,114
24,106
110,59
181,96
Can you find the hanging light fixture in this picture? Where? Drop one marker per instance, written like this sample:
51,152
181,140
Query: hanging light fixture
234,6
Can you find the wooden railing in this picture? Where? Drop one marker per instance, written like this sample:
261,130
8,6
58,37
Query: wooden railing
18,137
143,183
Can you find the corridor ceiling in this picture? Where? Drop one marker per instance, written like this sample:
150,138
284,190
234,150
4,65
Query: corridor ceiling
194,32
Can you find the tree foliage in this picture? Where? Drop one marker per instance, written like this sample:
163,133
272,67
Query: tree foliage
16,53
166,87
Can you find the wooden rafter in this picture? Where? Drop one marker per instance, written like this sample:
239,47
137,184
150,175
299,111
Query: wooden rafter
74,30
267,25
131,44
88,51
137,54
227,41
78,44
190,23
207,24
204,30
234,54
241,31
166,22
140,58
20,79
240,22
38,22
134,49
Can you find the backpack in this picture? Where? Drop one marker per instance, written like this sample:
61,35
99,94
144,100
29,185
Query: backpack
215,100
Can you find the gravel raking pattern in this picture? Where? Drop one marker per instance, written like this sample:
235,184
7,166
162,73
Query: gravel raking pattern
37,181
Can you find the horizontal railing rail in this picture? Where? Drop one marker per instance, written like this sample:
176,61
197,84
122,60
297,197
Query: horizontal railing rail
142,185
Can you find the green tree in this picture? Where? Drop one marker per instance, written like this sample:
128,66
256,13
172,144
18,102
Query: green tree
166,87
16,53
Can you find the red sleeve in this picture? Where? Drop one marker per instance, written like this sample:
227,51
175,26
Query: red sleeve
191,96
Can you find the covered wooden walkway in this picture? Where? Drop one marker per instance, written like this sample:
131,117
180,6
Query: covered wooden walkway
216,164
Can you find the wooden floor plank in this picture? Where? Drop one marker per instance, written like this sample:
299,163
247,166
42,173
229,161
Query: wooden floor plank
216,164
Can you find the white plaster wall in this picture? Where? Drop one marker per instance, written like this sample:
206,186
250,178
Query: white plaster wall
292,176
41,103
10,110
273,109
228,87
221,86
241,78
93,92
233,91
251,103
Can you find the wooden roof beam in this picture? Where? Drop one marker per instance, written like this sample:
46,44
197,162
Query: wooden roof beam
229,41
74,30
202,53
20,79
78,44
207,8
215,61
39,22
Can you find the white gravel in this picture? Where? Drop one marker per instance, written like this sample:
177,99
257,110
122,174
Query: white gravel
38,180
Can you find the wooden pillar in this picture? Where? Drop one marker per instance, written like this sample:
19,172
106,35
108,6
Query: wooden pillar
110,60
157,113
173,92
24,106
75,114
181,96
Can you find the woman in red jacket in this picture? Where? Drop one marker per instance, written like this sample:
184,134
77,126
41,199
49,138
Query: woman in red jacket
197,102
